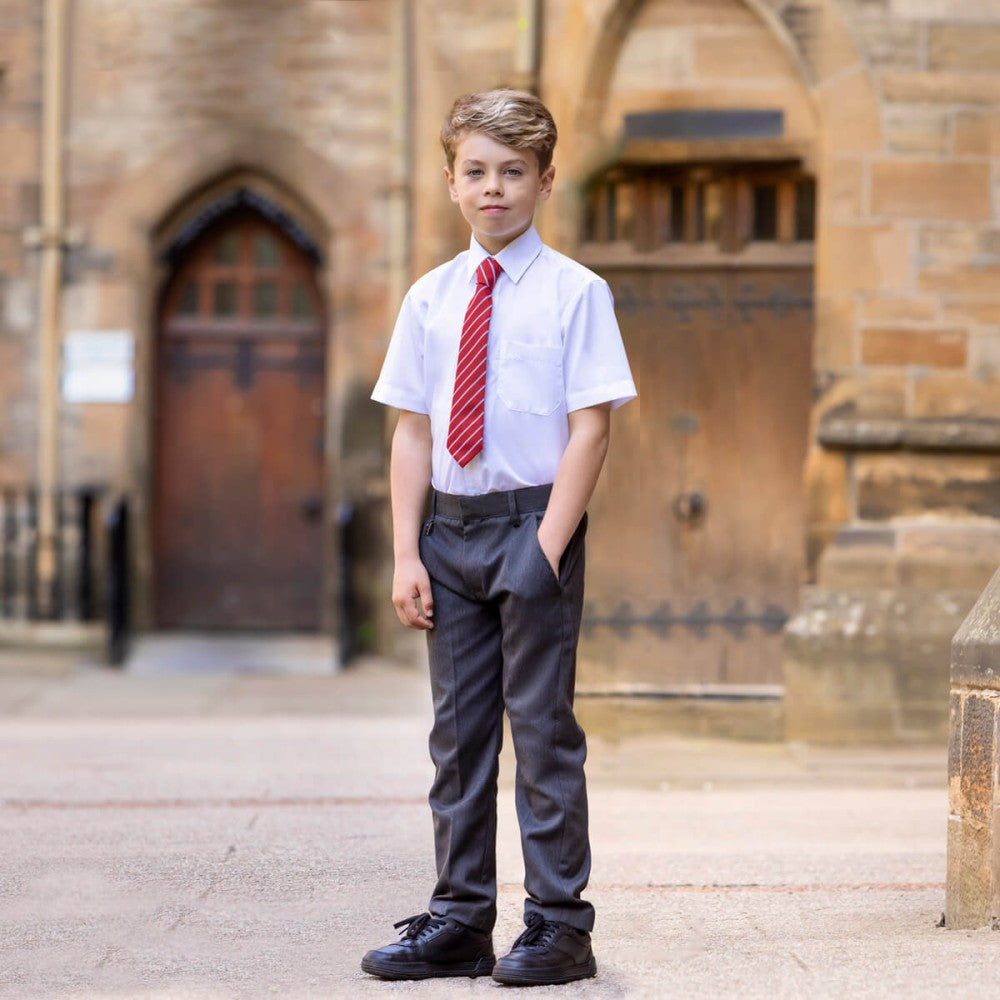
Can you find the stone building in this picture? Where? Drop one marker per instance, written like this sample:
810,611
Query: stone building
210,210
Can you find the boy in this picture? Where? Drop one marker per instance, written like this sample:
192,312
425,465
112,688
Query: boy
505,364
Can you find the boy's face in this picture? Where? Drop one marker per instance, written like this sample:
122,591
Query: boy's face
496,188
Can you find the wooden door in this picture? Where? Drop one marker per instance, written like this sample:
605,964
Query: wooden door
238,519
697,548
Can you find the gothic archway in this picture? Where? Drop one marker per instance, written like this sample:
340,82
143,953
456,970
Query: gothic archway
239,430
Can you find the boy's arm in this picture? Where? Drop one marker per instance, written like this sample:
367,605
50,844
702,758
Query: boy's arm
576,477
409,481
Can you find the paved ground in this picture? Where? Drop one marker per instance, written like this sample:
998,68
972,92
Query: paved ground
221,835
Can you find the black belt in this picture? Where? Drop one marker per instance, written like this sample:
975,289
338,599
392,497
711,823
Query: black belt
511,502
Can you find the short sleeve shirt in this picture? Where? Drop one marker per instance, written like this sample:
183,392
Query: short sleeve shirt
554,347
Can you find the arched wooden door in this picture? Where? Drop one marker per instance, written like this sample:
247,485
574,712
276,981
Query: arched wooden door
238,516
697,549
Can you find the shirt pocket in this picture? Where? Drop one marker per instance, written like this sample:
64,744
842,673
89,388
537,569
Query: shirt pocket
530,378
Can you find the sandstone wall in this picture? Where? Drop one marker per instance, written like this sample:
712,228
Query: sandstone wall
20,107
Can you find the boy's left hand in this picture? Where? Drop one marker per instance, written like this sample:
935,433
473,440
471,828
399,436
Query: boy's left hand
551,550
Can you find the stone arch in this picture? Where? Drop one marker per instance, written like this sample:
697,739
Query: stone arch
148,212
812,34
833,76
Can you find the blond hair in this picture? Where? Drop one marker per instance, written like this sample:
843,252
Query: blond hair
513,118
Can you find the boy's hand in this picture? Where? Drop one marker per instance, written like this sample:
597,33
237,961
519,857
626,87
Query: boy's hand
411,594
550,549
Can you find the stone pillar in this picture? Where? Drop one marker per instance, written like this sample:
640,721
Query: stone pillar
973,887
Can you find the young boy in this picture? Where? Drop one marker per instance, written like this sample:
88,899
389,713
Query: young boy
505,364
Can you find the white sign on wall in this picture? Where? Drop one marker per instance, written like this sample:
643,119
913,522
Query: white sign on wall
98,366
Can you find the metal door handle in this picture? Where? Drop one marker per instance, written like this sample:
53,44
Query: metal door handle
690,508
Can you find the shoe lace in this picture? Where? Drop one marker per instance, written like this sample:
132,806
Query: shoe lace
538,933
416,925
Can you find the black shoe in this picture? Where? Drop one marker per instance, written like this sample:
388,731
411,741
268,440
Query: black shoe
432,947
545,954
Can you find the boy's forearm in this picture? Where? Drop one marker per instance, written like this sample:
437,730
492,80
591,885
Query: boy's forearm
409,480
579,470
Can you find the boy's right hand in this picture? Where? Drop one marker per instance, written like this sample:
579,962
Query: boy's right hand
411,594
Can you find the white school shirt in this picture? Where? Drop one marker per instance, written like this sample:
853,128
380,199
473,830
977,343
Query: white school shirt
554,347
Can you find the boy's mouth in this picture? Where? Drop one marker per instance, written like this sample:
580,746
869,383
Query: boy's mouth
493,209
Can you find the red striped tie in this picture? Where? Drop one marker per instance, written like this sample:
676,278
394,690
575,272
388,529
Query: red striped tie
465,429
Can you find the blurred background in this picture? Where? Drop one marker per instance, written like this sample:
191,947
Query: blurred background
211,209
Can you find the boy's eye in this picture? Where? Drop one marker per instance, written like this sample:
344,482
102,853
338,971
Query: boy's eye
514,171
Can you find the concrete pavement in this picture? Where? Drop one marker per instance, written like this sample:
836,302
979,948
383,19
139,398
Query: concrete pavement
243,835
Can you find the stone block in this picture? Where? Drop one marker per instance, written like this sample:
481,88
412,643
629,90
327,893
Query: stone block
750,55
697,14
935,87
902,484
957,243
975,798
849,108
616,718
936,348
971,899
975,649
931,189
953,394
977,134
863,258
867,665
964,47
945,10
865,396
950,556
835,335
888,43
21,152
859,558
900,308
916,131
960,279
843,191
984,352
957,309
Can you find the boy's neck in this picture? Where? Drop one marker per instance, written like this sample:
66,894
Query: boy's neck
493,247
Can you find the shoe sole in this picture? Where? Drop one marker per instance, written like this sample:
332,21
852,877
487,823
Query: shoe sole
427,970
543,977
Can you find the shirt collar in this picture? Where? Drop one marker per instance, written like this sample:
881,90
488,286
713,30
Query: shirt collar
515,258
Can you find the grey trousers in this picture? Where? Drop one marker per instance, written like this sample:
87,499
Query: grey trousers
505,636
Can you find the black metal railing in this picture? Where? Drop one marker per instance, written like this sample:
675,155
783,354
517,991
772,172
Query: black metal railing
74,592
117,582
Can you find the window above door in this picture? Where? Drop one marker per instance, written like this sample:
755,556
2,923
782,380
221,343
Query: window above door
696,213
243,276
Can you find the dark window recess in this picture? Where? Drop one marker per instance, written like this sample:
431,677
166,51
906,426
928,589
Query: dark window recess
224,298
728,206
227,250
301,304
265,299
805,210
187,304
266,252
677,214
765,212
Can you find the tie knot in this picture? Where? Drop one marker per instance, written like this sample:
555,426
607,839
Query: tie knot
488,272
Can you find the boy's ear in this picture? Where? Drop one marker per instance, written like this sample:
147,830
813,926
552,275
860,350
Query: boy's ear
545,182
450,178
